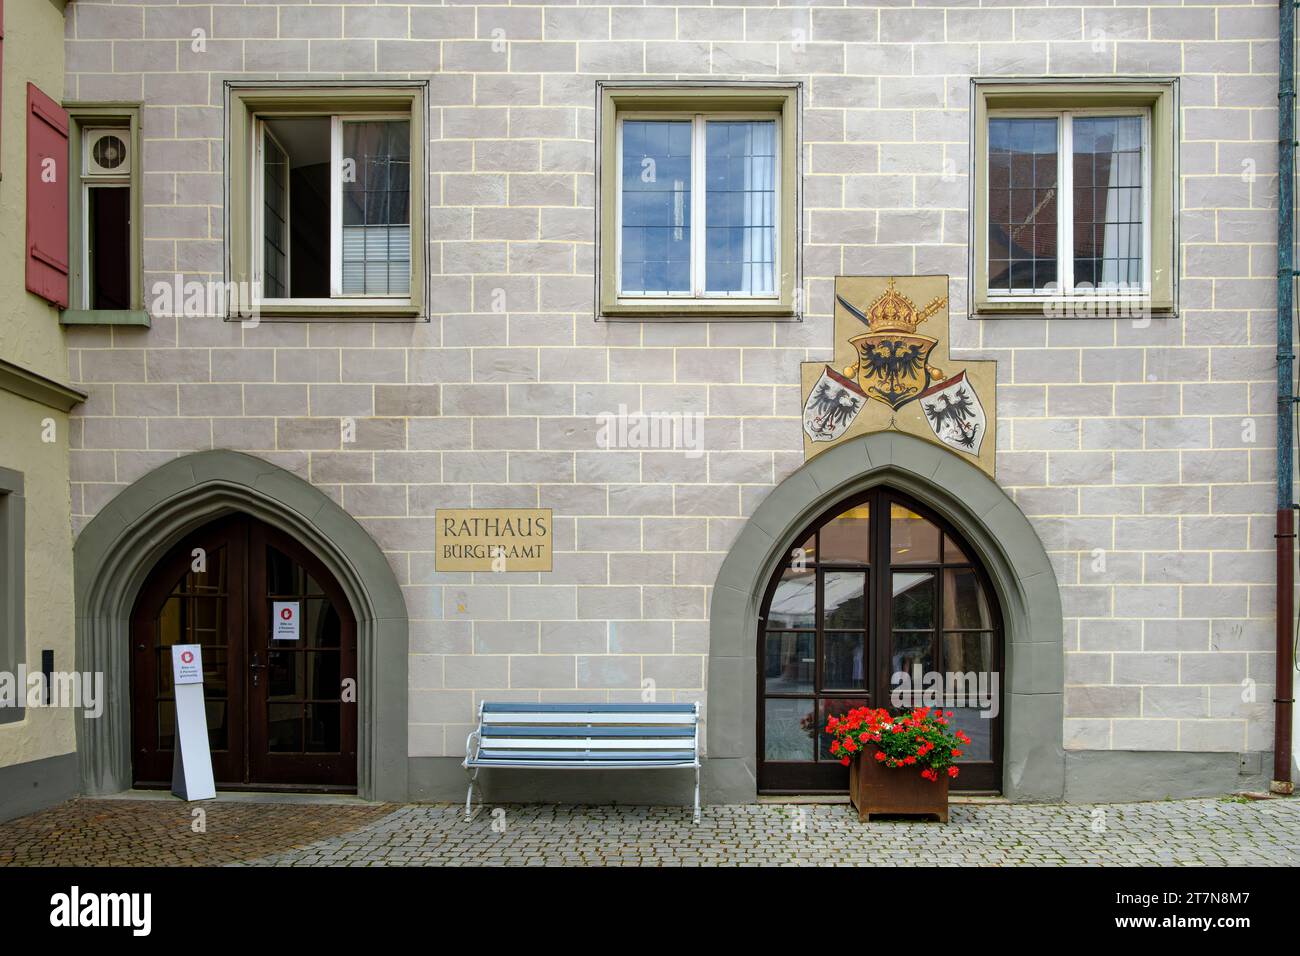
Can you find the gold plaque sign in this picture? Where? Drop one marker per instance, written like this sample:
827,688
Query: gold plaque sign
891,370
500,539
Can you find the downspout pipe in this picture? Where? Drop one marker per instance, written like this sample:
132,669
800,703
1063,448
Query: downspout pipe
1286,275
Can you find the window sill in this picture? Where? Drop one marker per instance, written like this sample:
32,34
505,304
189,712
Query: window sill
697,310
1076,307
126,317
332,312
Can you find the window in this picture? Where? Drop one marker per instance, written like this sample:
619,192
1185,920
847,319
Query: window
699,195
326,210
12,582
104,241
1074,192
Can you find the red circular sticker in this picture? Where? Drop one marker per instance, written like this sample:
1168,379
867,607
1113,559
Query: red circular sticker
187,657
286,613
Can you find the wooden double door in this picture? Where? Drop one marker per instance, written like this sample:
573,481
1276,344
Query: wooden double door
281,703
878,594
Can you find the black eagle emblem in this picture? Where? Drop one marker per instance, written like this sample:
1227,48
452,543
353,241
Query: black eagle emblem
833,406
954,411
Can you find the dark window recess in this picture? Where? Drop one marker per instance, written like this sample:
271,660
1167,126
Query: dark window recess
109,239
302,144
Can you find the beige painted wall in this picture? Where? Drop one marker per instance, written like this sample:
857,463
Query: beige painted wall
42,732
30,336
33,52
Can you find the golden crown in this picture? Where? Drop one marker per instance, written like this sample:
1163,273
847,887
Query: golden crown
895,312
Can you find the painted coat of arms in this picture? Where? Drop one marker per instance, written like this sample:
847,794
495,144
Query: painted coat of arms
892,370
892,359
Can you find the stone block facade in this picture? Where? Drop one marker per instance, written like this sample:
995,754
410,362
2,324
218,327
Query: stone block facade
1141,452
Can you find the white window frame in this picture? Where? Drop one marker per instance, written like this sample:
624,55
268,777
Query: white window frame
1064,287
259,193
699,195
258,212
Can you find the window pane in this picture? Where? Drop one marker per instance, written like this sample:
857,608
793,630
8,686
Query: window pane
969,652
1108,202
788,664
275,222
913,600
794,603
834,708
978,729
844,538
376,207
912,650
964,605
842,599
656,207
842,664
788,729
740,216
1022,203
912,539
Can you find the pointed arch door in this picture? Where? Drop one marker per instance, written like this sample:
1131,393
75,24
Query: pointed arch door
281,713
878,586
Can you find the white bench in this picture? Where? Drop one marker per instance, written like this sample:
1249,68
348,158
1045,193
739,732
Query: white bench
584,737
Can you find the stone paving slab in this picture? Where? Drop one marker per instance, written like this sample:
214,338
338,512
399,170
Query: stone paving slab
162,832
1192,832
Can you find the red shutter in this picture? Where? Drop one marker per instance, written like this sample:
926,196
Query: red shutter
47,198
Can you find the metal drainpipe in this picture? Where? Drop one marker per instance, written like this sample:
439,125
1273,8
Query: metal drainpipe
1286,274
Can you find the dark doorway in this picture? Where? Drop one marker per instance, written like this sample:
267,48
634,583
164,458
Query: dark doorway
281,712
877,586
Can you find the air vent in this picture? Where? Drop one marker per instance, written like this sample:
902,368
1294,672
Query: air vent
106,152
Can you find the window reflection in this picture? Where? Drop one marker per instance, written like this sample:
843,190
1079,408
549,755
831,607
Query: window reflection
912,539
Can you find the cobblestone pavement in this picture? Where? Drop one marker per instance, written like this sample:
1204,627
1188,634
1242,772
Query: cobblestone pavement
1192,832
161,832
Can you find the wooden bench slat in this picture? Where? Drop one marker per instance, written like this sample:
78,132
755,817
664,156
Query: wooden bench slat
489,754
587,717
490,707
498,730
585,743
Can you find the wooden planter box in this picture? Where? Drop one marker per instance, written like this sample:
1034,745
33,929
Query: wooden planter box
876,789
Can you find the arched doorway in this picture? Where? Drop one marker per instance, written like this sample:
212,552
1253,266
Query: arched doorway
117,551
281,704
1001,539
880,599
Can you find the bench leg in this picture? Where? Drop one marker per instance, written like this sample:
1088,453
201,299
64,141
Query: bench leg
469,792
697,794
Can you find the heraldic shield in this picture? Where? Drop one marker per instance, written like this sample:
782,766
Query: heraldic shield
893,359
955,414
831,407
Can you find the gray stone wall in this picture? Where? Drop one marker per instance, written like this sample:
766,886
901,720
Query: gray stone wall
1142,454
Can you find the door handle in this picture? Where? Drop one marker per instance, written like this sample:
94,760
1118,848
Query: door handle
256,666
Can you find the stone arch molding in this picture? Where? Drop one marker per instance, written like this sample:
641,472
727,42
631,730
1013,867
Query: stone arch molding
116,551
1033,754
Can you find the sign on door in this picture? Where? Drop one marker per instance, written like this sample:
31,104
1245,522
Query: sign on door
285,614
